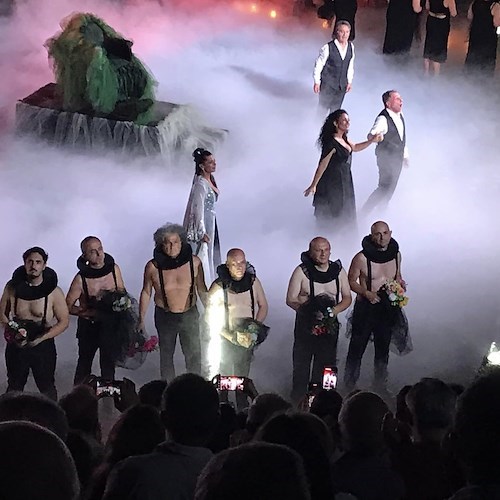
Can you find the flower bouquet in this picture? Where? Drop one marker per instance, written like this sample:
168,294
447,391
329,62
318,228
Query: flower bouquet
395,291
249,332
325,320
14,332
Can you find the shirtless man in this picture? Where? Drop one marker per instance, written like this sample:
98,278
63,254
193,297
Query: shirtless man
176,275
236,297
97,274
33,312
316,275
379,261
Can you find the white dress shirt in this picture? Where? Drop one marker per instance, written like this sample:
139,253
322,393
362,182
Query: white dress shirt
380,127
324,53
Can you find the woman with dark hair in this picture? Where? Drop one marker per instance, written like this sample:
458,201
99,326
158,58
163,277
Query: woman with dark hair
332,186
483,38
200,221
137,432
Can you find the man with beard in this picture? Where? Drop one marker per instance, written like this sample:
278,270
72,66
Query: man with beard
238,300
98,274
33,312
378,262
176,275
316,284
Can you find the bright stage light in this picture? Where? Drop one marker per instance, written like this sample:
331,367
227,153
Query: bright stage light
325,25
493,355
273,14
216,319
253,8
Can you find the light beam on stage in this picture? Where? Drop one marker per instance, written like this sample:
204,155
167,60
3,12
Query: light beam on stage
216,319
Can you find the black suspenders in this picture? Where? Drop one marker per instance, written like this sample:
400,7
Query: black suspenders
226,304
369,265
311,289
191,289
86,288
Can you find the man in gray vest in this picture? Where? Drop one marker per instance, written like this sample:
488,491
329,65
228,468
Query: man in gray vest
391,152
334,68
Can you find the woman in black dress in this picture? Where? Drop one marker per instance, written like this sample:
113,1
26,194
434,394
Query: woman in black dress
401,19
482,53
437,33
332,187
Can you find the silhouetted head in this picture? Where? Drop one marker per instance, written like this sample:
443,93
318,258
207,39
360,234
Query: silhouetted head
190,409
35,464
81,408
35,408
263,407
151,393
253,471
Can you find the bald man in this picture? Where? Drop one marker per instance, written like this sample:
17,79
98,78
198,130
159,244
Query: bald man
316,275
379,261
236,295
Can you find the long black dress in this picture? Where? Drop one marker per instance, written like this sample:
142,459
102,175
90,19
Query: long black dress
334,201
482,52
345,10
437,32
400,25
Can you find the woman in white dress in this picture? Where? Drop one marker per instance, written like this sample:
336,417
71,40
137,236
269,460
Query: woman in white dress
200,221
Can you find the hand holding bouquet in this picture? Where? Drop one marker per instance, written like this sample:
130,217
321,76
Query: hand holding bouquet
324,317
395,291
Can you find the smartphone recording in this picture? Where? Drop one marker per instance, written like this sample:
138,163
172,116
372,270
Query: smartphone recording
329,378
230,383
108,388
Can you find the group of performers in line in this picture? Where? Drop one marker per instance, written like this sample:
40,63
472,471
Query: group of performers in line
404,23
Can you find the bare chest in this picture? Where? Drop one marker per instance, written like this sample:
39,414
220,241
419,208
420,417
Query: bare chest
173,279
33,309
96,286
329,288
379,273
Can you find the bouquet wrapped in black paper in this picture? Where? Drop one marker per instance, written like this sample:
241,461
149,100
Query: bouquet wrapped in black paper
322,316
118,313
249,332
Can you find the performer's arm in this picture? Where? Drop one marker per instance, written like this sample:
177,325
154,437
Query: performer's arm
452,6
145,297
356,284
5,306
345,293
356,147
495,12
294,299
74,293
201,286
119,278
195,219
417,6
262,306
319,65
319,172
399,276
470,14
61,313
379,127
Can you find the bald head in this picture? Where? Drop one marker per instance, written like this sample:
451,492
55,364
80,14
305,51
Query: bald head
319,251
380,234
236,263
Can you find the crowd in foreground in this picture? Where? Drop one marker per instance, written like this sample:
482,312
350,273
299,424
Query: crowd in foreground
178,441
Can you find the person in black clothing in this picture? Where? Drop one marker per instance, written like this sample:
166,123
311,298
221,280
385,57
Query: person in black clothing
391,151
378,262
401,20
97,275
334,68
33,312
345,10
316,285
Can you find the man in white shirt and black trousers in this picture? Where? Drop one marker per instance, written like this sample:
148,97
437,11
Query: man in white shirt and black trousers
334,68
391,152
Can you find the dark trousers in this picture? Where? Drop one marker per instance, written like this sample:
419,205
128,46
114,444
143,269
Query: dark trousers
320,351
41,359
367,320
330,98
235,360
186,326
90,336
389,170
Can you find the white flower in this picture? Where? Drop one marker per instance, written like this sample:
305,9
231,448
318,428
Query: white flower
393,297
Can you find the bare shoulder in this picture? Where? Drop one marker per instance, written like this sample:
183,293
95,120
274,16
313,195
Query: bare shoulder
214,287
57,294
358,260
196,261
77,282
150,267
